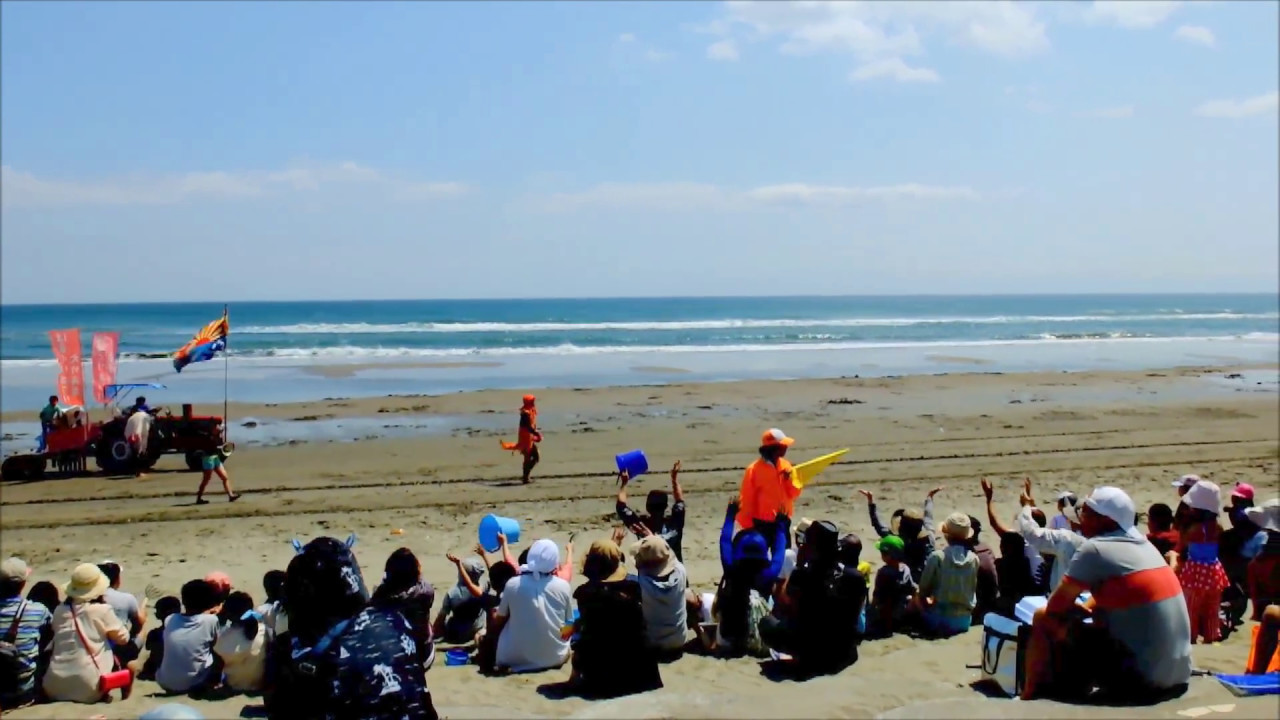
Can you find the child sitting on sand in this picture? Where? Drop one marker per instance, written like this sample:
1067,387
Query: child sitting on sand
487,640
950,581
741,601
462,611
850,558
1160,530
915,527
189,664
894,588
154,644
241,645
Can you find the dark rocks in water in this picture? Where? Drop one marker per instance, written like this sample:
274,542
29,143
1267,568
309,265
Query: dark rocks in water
846,401
249,424
1235,376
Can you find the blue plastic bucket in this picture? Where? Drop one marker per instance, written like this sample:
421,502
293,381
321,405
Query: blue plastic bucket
491,525
457,656
634,463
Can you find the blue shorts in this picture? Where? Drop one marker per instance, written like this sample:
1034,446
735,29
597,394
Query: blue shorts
211,462
946,625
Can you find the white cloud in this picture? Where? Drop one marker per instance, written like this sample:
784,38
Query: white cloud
1196,35
631,46
24,189
1110,113
725,50
1136,14
884,30
1248,107
895,69
679,196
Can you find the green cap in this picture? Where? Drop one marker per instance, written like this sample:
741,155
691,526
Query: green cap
891,544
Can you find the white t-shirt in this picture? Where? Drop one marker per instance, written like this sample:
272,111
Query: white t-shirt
537,607
244,660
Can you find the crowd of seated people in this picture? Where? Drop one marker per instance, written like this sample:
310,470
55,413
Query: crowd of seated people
1121,607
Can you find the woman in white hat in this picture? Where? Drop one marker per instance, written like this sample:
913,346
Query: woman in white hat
84,626
1196,562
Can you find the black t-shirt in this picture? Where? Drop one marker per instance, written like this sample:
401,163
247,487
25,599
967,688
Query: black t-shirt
827,607
610,653
671,529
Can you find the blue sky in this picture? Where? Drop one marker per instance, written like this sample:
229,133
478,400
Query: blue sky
213,151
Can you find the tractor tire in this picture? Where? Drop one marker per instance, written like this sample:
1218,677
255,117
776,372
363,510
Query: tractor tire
22,467
195,460
115,455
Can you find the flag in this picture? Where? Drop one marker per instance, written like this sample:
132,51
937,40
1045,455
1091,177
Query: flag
211,340
66,348
104,346
804,472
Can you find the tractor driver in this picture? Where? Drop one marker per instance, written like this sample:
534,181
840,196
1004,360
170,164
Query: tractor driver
140,405
48,416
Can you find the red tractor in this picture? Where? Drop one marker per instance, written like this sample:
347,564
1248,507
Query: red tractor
68,448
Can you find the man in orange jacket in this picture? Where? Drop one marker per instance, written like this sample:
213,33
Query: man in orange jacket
766,487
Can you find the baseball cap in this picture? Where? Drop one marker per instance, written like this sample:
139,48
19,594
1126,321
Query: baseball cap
891,544
774,436
14,569
1115,504
1244,491
1186,481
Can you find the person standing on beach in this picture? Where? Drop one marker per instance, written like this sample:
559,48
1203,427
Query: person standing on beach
529,437
211,464
767,489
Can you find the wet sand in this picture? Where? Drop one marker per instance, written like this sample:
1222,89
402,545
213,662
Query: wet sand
907,435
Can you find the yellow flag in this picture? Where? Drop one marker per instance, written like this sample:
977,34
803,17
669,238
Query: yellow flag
804,472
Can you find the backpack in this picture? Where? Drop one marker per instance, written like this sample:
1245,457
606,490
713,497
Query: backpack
12,664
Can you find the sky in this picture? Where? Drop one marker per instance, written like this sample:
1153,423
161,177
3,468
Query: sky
327,150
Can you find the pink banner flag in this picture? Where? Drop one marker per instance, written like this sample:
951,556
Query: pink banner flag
67,350
105,345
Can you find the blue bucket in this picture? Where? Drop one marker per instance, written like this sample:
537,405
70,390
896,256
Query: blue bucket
634,462
491,525
457,656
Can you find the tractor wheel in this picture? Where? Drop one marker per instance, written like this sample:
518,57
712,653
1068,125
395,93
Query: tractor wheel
115,455
195,460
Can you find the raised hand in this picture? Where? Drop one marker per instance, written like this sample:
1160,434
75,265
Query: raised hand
675,470
936,490
619,534
987,490
502,540
478,549
624,477
867,494
452,558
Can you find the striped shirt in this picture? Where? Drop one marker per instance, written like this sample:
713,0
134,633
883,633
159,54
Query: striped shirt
1139,601
34,633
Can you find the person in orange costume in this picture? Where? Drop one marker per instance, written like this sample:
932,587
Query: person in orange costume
527,441
766,486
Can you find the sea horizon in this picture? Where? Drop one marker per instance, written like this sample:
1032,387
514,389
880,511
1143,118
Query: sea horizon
302,350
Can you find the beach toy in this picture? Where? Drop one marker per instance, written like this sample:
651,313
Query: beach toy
172,711
803,473
492,525
1268,684
457,656
397,531
634,463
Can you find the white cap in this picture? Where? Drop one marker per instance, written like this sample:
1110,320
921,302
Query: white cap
1066,495
1115,504
1186,481
1204,495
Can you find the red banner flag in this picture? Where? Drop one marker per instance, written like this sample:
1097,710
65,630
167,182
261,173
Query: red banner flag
67,350
104,363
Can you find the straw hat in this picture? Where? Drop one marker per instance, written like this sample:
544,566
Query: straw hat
87,583
604,562
895,525
957,527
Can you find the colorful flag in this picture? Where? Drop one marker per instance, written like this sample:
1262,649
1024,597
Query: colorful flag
207,343
105,345
67,350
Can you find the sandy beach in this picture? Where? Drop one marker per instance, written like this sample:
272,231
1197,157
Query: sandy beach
1137,430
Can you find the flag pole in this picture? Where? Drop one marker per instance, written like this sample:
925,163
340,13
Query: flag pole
226,378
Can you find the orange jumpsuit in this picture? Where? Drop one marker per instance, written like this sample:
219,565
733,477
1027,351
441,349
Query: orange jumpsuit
766,490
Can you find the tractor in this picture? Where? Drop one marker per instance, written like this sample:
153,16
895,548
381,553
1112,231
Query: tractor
68,448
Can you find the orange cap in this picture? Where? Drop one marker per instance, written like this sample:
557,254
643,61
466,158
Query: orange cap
529,400
774,436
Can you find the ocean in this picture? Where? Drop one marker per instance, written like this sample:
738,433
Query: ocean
446,345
